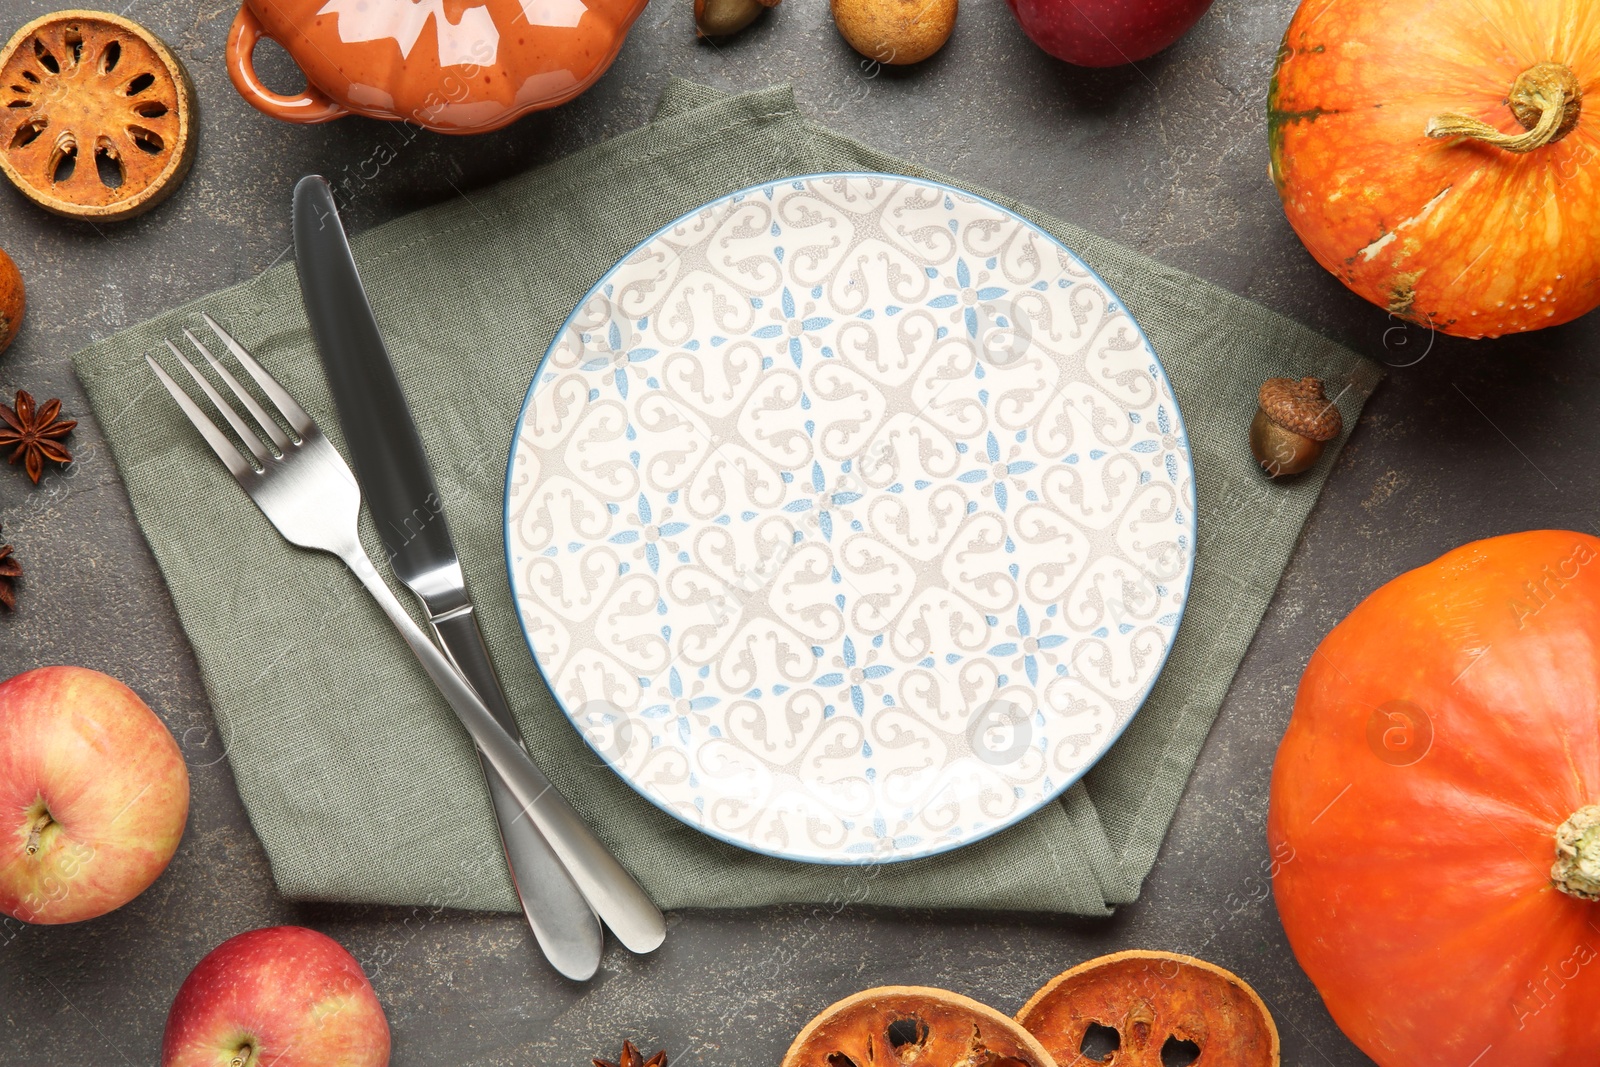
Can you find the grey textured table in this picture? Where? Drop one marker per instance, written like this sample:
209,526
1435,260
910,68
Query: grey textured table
1464,441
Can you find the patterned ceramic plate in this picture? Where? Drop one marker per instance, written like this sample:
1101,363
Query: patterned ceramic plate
850,518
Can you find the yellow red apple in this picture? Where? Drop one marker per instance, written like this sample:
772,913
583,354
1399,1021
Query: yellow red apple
93,795
284,996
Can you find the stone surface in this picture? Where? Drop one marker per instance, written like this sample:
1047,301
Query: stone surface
1463,441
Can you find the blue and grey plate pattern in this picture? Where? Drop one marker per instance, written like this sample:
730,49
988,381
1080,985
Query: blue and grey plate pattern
850,518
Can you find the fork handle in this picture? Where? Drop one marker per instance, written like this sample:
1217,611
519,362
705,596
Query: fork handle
604,883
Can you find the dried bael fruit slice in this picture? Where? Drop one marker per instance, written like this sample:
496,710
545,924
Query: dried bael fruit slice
97,117
1152,1009
897,1026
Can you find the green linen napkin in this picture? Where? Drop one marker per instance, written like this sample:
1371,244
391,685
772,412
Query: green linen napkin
357,778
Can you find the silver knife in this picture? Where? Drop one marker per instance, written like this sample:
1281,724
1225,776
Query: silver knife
564,876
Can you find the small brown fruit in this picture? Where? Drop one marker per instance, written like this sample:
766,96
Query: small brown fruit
720,18
13,300
1294,420
895,32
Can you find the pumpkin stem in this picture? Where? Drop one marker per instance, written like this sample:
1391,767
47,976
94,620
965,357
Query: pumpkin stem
1546,99
1577,868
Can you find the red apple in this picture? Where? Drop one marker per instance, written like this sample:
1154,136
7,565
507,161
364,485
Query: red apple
93,795
280,997
1106,33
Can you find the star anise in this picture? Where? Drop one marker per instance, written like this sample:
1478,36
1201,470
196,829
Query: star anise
632,1058
34,434
10,571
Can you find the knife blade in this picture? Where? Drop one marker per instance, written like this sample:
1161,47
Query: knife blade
563,874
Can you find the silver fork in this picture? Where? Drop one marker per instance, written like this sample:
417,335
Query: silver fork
302,485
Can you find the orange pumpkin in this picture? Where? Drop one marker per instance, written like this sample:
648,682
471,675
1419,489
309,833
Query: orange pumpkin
1434,813
1442,157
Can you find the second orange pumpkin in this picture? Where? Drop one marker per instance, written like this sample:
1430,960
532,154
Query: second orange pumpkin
1433,811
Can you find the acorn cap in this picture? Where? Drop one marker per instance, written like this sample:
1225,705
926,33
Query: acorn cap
1301,407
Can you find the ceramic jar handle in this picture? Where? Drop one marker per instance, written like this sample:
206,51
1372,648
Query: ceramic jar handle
310,106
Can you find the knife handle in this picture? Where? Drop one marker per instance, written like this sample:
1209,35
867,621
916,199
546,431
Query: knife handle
562,921
605,883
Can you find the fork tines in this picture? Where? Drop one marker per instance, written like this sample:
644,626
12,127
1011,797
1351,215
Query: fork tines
261,451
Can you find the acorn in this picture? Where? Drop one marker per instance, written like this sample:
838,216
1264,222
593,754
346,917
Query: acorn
1295,419
720,18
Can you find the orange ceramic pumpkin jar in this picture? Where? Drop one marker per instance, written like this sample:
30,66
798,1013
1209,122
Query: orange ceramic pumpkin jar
1434,814
1442,157
455,66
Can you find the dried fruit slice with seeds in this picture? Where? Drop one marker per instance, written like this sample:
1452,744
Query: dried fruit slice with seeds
97,116
897,1026
1152,1009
